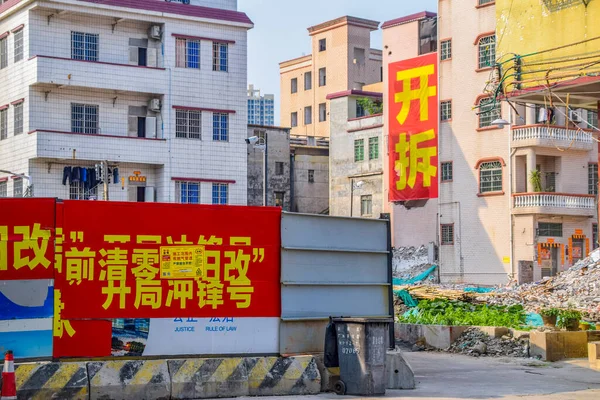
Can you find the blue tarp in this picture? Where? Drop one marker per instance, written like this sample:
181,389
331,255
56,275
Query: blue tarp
534,319
406,298
418,278
479,290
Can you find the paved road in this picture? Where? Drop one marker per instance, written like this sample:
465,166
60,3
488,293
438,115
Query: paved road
442,376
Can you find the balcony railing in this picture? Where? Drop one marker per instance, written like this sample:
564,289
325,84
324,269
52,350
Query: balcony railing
552,133
555,200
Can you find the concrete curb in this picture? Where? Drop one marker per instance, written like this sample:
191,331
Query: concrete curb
173,379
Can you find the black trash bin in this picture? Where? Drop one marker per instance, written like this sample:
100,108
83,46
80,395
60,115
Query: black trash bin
361,346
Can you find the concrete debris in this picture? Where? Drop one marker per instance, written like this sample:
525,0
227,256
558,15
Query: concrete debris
577,288
476,343
409,262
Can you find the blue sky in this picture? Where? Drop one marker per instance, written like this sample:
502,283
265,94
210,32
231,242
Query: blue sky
280,31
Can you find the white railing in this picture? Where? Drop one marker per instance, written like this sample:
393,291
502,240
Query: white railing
551,133
554,200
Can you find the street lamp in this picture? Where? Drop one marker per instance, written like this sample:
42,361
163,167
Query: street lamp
353,186
253,140
29,191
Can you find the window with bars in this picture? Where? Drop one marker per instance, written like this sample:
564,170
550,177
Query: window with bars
78,191
446,49
3,124
592,178
4,189
359,150
374,148
484,2
221,127
219,193
188,124
594,235
278,168
550,229
487,51
447,171
592,119
84,46
489,110
220,56
447,234
84,118
366,205
18,43
311,176
3,53
187,53
18,187
294,119
446,110
187,192
490,177
18,118
279,198
308,115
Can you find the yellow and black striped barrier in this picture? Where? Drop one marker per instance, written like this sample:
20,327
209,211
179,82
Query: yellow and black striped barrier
40,381
137,379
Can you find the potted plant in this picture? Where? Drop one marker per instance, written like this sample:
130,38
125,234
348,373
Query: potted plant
549,316
535,177
569,319
584,326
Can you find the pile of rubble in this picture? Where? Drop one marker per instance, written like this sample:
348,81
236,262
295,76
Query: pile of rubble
577,288
476,343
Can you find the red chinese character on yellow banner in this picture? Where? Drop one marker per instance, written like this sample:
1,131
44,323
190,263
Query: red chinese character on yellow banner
413,126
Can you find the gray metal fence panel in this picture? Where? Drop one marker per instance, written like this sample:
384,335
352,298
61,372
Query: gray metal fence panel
330,266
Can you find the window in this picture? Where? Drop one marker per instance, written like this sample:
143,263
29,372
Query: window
446,171
359,150
84,46
294,85
311,176
322,44
373,148
446,50
360,110
187,53
262,137
489,110
278,168
3,189
220,51
18,187
487,51
3,124
428,35
308,81
322,112
447,234
307,115
84,118
221,126
366,205
595,243
187,192
359,56
18,118
18,39
279,198
490,177
592,119
78,191
219,193
446,110
592,178
188,124
294,119
323,77
550,229
3,53
484,2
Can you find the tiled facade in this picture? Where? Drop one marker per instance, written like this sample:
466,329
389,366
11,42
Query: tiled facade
261,109
341,59
87,79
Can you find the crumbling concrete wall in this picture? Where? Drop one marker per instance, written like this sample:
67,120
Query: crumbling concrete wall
311,197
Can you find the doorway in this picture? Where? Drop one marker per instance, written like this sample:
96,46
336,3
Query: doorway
577,250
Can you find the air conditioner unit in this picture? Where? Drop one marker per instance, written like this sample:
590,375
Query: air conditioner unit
154,32
154,105
575,116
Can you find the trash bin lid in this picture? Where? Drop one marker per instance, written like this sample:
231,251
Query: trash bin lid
372,320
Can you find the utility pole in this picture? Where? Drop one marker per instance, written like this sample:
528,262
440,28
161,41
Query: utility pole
105,179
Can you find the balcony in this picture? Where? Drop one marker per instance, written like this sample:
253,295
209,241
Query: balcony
93,147
552,137
98,75
555,204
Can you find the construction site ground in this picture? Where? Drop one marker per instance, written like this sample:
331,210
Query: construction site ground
449,376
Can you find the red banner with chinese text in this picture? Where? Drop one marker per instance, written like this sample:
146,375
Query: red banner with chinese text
114,260
413,129
27,238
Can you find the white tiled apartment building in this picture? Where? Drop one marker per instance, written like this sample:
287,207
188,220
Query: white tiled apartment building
157,89
261,108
